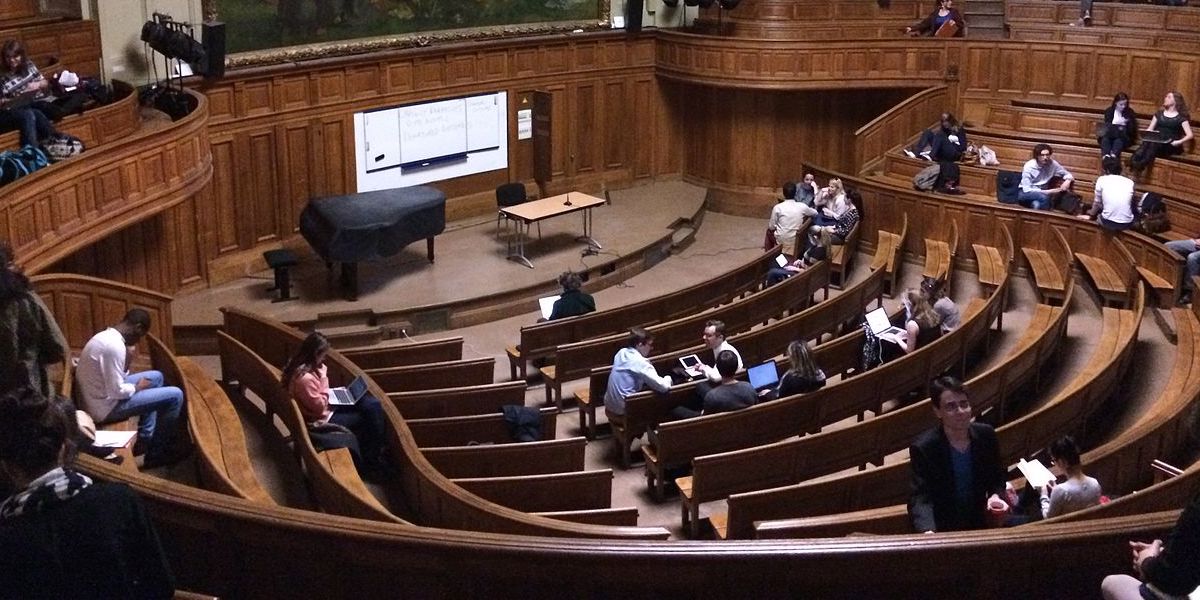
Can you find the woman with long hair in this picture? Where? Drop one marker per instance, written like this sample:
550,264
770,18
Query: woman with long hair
19,76
945,144
1119,129
830,202
29,336
804,375
944,13
934,291
1172,122
305,376
923,326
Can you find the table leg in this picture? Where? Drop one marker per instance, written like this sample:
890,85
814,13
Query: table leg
519,255
587,231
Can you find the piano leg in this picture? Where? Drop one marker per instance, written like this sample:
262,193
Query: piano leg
349,280
429,247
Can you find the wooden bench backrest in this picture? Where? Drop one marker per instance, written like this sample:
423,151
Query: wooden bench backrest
582,490
543,337
414,353
506,460
460,431
84,305
455,373
458,401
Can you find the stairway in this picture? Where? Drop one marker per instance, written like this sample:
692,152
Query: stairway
985,19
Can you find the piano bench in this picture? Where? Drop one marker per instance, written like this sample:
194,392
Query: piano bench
280,261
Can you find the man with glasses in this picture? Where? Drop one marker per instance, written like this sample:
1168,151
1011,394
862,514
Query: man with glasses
1043,179
631,372
956,470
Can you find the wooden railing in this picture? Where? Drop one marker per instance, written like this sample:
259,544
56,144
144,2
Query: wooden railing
83,305
895,126
98,126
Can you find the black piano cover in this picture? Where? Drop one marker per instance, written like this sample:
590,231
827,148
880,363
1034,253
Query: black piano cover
371,225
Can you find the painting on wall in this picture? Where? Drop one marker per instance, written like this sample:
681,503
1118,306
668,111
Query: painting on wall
263,25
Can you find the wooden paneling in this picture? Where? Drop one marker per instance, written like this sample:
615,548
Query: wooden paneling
74,44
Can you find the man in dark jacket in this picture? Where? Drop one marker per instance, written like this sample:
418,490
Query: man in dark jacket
1167,570
956,465
573,301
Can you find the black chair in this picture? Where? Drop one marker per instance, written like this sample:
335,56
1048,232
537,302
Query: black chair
510,194
280,260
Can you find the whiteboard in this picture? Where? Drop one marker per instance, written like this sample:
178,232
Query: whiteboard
381,131
482,114
432,130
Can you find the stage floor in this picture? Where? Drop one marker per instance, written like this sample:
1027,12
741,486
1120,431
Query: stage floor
470,262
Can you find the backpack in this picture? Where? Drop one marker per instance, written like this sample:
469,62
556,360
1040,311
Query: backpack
1070,203
871,352
987,157
15,164
1151,214
62,147
1008,186
927,178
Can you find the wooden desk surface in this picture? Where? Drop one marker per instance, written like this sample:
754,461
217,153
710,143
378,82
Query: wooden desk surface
552,206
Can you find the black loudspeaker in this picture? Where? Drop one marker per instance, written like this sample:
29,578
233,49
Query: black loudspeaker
633,15
214,49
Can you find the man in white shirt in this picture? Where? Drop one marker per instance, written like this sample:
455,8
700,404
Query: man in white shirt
110,393
714,339
1036,176
1114,197
631,372
787,217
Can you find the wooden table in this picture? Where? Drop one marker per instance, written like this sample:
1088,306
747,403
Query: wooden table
531,212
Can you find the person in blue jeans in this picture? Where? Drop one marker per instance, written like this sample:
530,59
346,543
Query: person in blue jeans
110,393
1043,179
1189,249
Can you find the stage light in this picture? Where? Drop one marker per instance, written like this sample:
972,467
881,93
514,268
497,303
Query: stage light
172,43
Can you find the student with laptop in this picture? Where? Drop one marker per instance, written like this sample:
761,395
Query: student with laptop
923,326
572,302
727,396
305,377
804,375
1170,128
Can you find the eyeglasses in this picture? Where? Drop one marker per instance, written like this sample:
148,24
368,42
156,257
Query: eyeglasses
1044,155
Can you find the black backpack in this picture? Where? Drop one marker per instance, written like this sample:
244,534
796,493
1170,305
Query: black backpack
1150,215
1008,186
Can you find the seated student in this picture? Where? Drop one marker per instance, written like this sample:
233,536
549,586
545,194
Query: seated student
947,144
631,372
922,327
1168,570
956,470
1120,126
18,76
1190,250
945,12
1173,121
29,336
787,217
305,377
844,224
714,339
573,301
65,535
1078,491
804,375
934,291
812,256
1043,179
806,192
727,396
1113,203
110,393
830,203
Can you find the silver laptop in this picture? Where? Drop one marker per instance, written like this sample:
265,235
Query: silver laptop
878,321
349,395
763,376
547,305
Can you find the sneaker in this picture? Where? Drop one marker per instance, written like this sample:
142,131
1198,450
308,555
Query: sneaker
910,153
166,458
926,156
1087,20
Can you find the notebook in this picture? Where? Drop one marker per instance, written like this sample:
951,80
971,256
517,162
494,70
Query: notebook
349,395
547,305
878,321
1035,472
781,260
763,376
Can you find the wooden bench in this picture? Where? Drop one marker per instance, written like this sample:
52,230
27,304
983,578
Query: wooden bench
613,517
540,340
873,495
331,475
841,257
789,462
576,360
993,264
888,249
506,460
480,429
582,490
1114,274
1051,268
459,401
223,462
754,346
939,254
432,376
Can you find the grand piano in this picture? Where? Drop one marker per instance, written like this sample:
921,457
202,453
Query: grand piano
371,225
